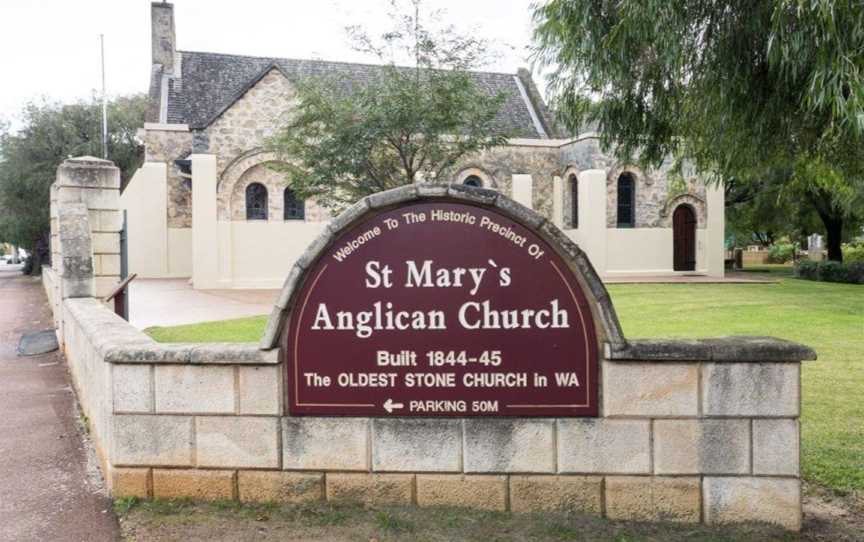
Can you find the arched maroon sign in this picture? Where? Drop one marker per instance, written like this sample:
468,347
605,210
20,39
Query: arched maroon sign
440,309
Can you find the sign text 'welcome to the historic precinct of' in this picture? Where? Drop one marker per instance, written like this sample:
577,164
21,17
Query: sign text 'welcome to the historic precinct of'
441,309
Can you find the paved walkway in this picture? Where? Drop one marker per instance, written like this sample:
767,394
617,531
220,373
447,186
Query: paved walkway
50,486
172,302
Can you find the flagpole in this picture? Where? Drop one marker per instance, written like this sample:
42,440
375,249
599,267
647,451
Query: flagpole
104,102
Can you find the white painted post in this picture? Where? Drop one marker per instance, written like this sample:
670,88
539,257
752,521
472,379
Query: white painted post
205,233
716,230
558,201
523,189
592,217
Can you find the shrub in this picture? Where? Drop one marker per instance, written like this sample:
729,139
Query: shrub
856,272
853,253
830,271
806,269
781,253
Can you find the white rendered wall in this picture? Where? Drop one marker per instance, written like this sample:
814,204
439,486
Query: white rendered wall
154,249
715,237
260,253
144,201
523,189
205,235
591,233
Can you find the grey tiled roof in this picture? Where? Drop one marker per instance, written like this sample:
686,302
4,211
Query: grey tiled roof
211,82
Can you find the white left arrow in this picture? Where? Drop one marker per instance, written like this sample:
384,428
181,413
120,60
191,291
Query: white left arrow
390,406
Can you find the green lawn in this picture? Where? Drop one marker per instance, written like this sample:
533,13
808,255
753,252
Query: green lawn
828,317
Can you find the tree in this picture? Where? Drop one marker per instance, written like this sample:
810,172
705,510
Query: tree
52,132
747,89
407,124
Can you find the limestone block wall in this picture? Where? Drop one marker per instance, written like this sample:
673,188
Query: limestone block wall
701,431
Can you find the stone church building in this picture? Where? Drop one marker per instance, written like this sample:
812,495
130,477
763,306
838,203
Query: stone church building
205,204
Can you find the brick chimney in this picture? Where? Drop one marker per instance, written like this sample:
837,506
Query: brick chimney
162,36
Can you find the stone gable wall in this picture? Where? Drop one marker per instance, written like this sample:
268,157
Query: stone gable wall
250,120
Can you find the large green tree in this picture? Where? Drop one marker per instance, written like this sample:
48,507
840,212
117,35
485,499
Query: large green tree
748,89
405,124
50,132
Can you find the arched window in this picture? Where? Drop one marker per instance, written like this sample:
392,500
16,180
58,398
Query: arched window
626,200
295,209
473,180
574,201
256,202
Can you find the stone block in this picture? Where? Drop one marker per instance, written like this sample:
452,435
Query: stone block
232,354
431,190
107,221
776,445
509,445
151,440
259,390
650,389
705,446
740,499
130,482
650,498
278,486
393,196
237,441
751,389
571,494
132,388
205,485
288,287
370,488
325,443
107,264
348,216
194,389
416,445
596,445
105,243
487,492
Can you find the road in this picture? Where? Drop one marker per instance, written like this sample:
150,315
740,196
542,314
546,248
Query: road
50,484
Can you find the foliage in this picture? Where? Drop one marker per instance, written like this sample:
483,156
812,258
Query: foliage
853,253
405,124
771,89
781,252
830,271
52,132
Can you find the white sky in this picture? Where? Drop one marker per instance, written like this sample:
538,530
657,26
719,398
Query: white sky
51,47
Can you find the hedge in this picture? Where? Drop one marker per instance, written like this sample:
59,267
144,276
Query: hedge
830,271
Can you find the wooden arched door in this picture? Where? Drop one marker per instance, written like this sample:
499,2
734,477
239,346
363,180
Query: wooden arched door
684,238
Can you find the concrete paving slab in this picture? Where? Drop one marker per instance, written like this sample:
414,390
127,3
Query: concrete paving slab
172,302
50,485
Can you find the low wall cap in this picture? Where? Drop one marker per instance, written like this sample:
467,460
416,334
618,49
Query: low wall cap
737,349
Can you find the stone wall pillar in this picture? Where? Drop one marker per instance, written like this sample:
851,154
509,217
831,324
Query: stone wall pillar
92,185
205,231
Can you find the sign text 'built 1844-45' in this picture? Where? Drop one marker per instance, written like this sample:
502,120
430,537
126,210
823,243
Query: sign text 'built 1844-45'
441,309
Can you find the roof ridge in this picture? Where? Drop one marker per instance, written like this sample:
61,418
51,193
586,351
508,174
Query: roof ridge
345,62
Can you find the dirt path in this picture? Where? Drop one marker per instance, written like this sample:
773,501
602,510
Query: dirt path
49,487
